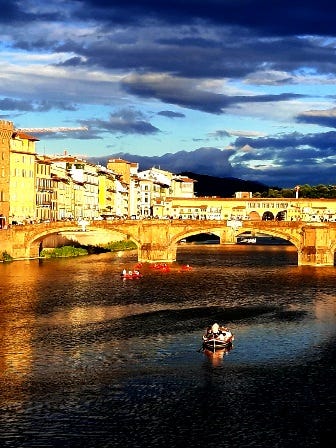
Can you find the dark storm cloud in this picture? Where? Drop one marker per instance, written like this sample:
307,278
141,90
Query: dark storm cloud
10,10
183,94
196,50
322,142
196,161
321,118
220,134
296,158
72,62
290,176
171,114
222,55
10,104
295,166
265,16
216,56
18,11
122,122
185,46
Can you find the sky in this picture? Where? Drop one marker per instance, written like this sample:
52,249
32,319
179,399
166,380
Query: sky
230,88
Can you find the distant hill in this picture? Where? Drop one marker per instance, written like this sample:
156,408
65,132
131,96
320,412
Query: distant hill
225,187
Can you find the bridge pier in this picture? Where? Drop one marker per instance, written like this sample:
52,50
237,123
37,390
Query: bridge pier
13,242
313,256
227,236
154,252
316,249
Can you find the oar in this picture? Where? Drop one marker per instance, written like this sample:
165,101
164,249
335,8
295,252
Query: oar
201,349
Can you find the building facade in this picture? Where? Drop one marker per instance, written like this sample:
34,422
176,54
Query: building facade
22,187
36,188
6,132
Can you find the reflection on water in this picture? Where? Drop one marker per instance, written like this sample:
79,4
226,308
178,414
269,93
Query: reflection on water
89,360
216,357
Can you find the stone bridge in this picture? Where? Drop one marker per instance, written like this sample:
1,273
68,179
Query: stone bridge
157,240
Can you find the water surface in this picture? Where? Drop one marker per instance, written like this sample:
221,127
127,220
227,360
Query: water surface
90,360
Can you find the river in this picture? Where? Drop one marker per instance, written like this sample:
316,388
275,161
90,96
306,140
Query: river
90,360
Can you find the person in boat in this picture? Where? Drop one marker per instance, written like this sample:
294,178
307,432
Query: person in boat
186,267
215,328
218,332
212,331
226,334
124,272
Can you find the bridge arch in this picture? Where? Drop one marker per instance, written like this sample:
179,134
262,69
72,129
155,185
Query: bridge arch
34,238
195,233
273,232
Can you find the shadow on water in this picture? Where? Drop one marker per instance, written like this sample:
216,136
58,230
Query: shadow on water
163,322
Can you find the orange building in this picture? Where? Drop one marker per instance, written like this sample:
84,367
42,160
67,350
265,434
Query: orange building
6,132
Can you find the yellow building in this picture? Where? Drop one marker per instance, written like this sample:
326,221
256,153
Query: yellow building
84,183
46,191
310,210
107,181
6,132
124,168
22,196
182,187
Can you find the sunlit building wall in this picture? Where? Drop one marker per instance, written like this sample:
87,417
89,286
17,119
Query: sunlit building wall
22,193
107,191
182,187
134,200
62,191
127,194
155,186
91,191
6,132
46,193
